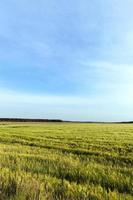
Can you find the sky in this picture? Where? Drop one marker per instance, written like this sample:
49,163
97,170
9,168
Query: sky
70,60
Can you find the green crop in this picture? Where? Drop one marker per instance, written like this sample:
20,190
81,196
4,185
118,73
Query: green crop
66,161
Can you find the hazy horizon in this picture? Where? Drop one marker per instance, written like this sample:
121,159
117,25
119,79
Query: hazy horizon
69,60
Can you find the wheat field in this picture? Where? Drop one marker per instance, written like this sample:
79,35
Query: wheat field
66,161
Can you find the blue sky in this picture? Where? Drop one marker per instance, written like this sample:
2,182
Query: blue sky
66,59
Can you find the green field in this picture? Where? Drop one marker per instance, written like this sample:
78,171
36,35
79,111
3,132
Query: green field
66,161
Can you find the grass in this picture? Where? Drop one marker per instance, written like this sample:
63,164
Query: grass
66,161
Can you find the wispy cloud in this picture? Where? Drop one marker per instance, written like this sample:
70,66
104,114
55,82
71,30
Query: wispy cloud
74,56
9,96
110,107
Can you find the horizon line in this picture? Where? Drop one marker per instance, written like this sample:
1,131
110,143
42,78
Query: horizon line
17,119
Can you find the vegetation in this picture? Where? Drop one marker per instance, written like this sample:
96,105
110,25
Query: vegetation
66,161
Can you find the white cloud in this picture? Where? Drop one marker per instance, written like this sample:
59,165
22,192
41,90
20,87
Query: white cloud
10,96
110,107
